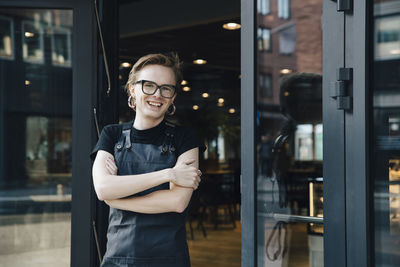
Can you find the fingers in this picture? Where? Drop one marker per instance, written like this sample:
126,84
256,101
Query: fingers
111,167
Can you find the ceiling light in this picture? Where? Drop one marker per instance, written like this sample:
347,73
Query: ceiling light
205,95
125,64
286,93
29,34
27,82
286,71
120,77
195,107
395,51
200,61
184,82
232,110
186,88
221,100
231,26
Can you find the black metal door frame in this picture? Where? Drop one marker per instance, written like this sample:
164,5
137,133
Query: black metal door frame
358,197
248,153
83,135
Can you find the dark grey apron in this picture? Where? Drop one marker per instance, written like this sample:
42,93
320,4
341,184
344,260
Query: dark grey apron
145,240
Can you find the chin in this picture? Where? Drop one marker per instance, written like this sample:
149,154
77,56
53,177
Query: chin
154,115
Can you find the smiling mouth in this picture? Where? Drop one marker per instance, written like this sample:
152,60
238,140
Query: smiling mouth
154,104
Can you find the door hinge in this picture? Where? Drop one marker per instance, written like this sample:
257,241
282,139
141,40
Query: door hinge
344,5
340,89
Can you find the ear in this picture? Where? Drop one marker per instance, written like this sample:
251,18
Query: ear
132,90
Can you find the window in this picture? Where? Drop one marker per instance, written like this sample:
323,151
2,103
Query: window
265,82
264,40
6,38
263,7
387,38
287,40
61,47
32,36
283,9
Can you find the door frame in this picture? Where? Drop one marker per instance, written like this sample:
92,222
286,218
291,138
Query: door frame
347,205
83,135
248,115
359,199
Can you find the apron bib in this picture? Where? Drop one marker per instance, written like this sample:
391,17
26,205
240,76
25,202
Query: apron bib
145,240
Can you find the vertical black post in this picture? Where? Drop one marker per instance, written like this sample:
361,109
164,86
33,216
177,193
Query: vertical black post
357,177
333,140
84,84
107,102
248,186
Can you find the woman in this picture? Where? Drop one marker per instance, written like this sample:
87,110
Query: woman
147,170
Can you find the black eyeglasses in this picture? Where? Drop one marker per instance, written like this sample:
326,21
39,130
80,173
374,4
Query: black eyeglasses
150,88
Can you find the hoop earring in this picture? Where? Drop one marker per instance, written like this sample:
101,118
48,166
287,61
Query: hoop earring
170,113
132,106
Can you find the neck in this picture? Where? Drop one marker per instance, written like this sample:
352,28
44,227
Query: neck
141,123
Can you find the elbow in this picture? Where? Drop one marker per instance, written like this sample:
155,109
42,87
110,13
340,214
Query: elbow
180,205
101,192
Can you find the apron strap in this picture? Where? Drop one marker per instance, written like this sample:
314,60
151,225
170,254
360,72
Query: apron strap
124,140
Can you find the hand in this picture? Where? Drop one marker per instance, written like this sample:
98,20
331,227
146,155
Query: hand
111,166
185,175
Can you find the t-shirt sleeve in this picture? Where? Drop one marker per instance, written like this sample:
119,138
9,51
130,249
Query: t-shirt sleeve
189,139
107,140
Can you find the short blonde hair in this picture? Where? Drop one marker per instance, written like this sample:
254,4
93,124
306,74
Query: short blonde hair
170,60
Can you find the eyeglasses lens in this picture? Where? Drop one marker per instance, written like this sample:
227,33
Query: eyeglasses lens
150,88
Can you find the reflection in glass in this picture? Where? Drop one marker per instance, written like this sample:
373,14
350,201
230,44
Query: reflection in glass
287,40
283,9
264,39
61,47
263,7
266,89
387,34
289,139
385,150
6,38
32,45
35,143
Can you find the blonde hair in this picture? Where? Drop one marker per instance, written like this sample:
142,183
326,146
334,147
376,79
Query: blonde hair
170,60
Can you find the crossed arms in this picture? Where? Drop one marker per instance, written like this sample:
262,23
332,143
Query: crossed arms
115,190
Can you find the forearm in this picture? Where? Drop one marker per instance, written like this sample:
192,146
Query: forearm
118,186
173,200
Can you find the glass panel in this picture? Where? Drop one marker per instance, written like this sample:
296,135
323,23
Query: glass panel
289,138
385,157
35,138
32,41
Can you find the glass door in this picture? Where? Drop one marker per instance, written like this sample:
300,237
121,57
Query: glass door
36,136
385,145
47,87
293,163
289,134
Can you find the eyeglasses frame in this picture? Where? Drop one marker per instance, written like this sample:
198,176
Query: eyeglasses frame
158,88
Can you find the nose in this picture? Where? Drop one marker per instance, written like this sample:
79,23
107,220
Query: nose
157,93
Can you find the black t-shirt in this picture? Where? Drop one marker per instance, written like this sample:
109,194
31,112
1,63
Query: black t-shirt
184,138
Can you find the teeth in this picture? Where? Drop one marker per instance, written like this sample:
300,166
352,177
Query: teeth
155,104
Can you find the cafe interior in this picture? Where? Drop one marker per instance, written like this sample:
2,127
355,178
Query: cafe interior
208,44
